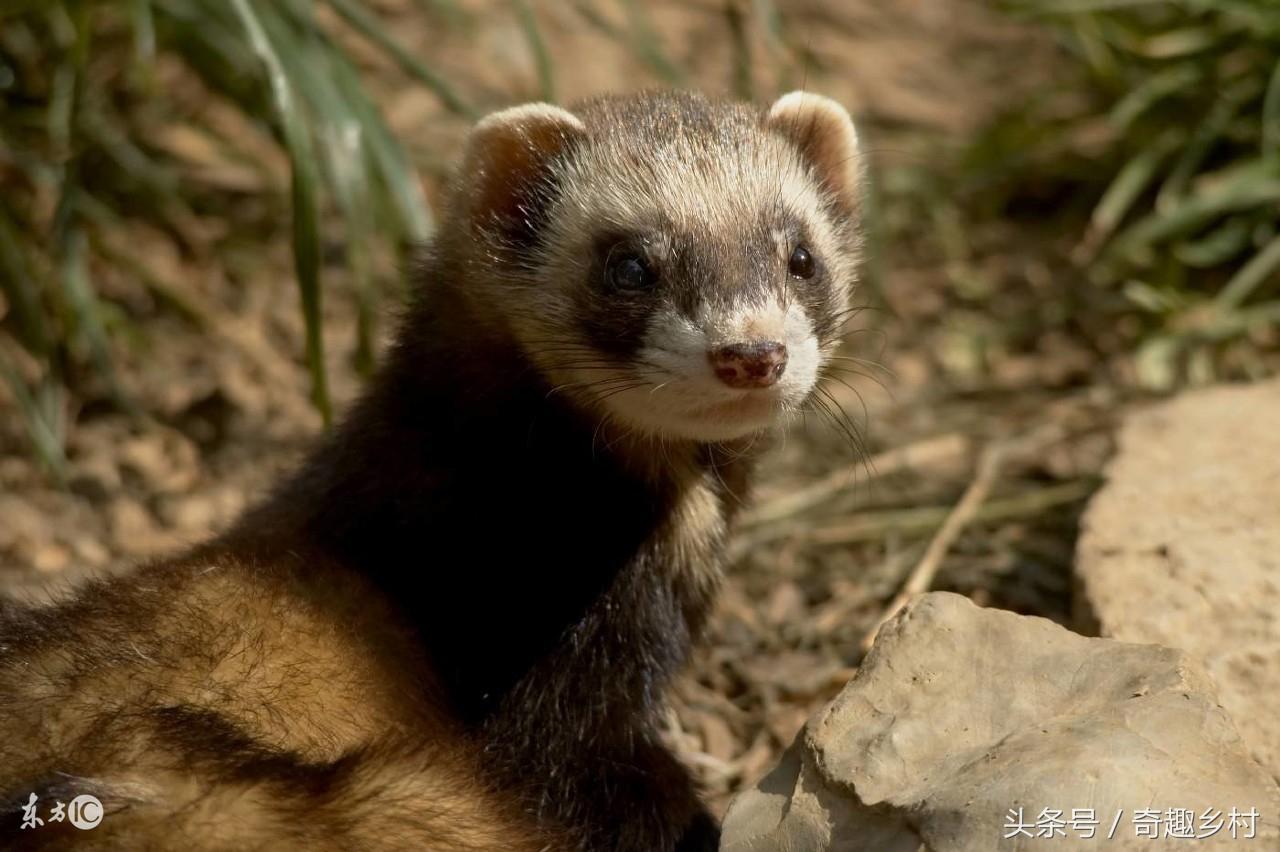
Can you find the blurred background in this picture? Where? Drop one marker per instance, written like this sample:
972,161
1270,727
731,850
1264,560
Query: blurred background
206,205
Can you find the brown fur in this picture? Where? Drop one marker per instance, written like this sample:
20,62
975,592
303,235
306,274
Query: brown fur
452,627
213,703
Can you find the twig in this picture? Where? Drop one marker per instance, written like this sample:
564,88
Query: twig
907,522
921,577
930,451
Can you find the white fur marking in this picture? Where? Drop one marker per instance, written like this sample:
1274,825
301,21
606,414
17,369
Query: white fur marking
687,399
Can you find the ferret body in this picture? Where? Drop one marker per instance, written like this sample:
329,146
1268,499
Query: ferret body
451,629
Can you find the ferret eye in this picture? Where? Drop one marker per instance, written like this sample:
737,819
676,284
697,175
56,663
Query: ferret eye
630,272
801,264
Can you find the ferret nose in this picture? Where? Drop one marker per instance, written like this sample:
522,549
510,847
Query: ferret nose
750,365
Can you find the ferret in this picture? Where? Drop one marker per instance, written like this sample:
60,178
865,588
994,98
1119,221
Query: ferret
451,627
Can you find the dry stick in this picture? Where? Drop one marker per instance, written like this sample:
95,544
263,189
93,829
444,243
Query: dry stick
907,522
925,453
761,525
921,577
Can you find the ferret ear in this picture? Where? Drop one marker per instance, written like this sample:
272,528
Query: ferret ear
507,162
823,131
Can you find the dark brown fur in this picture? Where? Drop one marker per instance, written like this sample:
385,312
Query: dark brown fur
450,630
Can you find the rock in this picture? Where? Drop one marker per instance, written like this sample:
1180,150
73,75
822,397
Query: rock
786,605
89,550
96,477
717,739
50,558
134,531
1181,547
191,513
165,459
960,716
21,523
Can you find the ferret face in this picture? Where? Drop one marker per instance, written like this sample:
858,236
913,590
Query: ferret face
687,269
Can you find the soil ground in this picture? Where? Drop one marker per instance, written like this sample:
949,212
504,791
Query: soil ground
961,351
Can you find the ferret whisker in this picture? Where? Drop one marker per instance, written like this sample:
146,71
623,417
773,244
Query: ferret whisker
867,362
866,416
837,374
840,419
822,408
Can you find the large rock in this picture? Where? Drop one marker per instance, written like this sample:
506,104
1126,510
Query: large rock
1181,547
960,715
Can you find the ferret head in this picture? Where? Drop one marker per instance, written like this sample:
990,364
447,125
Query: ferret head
678,266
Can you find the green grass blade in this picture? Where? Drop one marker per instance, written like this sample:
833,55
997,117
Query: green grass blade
1197,149
144,31
1264,265
538,46
740,52
61,105
637,36
44,437
448,10
20,289
16,8
369,26
208,34
74,274
1175,44
771,18
342,137
1271,115
156,180
646,44
390,160
1218,246
1075,7
1094,48
357,147
1151,91
1198,211
876,235
1132,179
347,162
588,12
303,192
69,239
352,192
